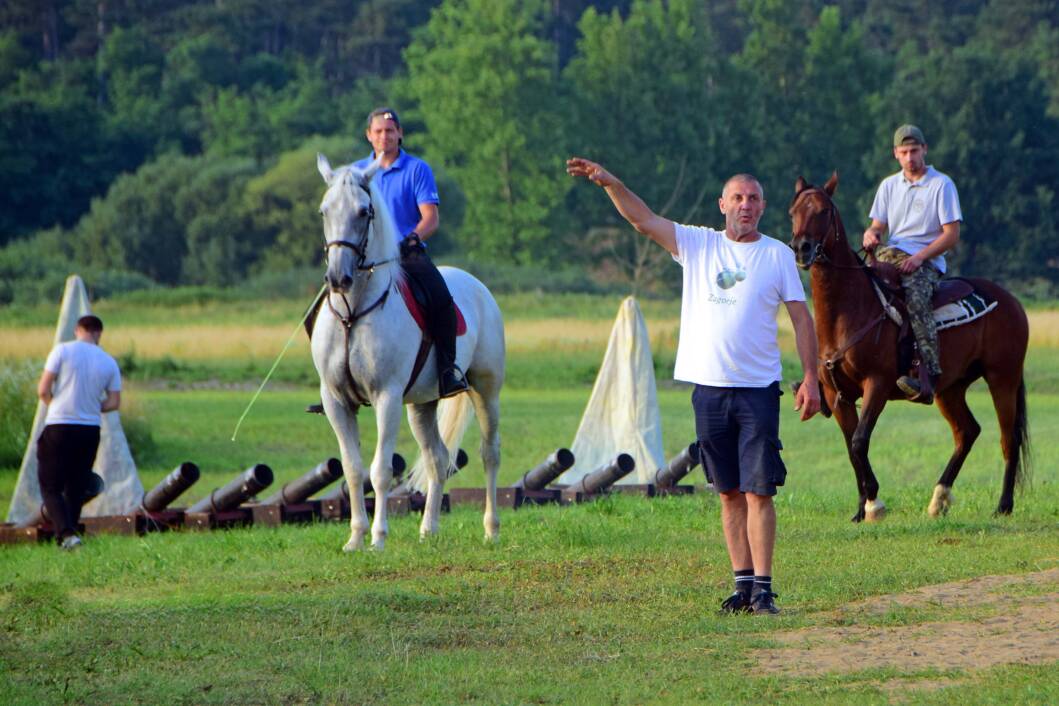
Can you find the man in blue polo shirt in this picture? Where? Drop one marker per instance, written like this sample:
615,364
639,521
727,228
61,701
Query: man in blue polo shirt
407,183
920,207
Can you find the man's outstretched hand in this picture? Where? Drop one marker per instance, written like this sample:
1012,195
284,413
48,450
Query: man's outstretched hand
579,167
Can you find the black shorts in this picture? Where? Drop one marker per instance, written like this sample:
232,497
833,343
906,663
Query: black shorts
738,435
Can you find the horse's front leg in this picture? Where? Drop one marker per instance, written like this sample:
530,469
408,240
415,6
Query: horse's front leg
388,421
845,413
344,422
875,396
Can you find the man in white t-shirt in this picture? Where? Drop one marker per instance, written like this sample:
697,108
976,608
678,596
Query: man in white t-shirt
80,382
920,207
734,282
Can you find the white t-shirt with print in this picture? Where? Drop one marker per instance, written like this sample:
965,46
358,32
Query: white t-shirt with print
84,374
732,293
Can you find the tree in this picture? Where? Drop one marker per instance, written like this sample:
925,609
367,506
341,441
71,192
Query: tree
987,127
486,87
283,203
660,129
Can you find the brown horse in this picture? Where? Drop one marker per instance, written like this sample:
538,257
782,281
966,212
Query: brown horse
859,355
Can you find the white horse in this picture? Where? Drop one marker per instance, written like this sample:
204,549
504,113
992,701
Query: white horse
364,346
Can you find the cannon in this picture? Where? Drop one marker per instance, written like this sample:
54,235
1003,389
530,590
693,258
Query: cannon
169,489
92,489
342,491
550,469
243,487
678,467
299,490
604,476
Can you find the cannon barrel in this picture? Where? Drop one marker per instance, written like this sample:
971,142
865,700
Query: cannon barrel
95,487
342,491
169,489
607,474
550,469
311,482
398,464
241,488
678,467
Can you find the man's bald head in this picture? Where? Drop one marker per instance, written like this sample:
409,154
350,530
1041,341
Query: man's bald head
745,178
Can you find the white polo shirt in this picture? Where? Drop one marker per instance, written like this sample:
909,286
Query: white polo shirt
732,293
915,211
84,374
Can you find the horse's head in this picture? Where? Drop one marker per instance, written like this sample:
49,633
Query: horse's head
349,223
814,221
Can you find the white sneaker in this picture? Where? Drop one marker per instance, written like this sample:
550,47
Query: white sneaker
71,543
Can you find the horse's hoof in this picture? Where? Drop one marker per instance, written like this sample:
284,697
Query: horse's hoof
874,510
858,516
379,545
1002,510
940,502
353,546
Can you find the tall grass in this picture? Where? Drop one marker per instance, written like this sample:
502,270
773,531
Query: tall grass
18,403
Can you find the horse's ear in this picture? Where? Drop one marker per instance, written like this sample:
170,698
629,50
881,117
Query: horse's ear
325,168
831,184
372,168
800,185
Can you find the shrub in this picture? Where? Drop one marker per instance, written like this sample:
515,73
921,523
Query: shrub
18,403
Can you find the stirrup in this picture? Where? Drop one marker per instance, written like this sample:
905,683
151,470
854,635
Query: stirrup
913,391
451,382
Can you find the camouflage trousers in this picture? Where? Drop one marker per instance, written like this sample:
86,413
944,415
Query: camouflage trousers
919,288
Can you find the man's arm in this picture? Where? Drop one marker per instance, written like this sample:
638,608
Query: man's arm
629,205
112,401
47,379
428,220
808,397
873,235
950,235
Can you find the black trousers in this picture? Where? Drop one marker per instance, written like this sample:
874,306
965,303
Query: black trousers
65,454
430,289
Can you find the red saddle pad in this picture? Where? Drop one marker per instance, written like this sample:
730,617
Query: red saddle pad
417,312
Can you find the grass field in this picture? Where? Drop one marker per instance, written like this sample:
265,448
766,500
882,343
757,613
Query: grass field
610,602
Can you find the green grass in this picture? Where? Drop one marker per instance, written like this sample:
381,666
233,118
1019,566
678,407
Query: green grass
606,602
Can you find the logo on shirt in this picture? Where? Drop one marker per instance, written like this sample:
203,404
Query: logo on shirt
726,278
918,205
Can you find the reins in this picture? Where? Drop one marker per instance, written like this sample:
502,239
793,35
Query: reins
351,317
888,309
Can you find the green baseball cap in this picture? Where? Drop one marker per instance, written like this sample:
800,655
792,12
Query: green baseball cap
908,132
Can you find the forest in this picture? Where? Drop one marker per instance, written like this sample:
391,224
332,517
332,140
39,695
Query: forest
156,143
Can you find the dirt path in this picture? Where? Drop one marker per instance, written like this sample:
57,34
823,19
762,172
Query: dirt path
1024,630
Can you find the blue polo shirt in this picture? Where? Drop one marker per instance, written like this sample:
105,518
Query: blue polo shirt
405,184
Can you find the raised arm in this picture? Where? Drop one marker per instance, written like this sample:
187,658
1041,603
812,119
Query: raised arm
629,205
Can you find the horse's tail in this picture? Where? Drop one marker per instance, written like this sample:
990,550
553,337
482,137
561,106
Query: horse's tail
454,414
1020,437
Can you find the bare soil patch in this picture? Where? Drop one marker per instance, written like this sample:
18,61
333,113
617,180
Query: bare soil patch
1024,630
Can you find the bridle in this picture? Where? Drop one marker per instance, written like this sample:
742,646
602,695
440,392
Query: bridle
817,253
351,317
360,249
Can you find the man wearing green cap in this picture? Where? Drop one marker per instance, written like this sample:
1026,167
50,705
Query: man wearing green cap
921,209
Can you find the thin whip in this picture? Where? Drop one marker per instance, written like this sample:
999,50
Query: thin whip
278,359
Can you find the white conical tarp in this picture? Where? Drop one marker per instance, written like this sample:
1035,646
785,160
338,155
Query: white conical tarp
123,491
622,413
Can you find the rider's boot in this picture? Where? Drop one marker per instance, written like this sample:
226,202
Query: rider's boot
916,391
451,380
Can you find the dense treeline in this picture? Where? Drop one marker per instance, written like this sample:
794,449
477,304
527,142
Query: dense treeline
173,142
